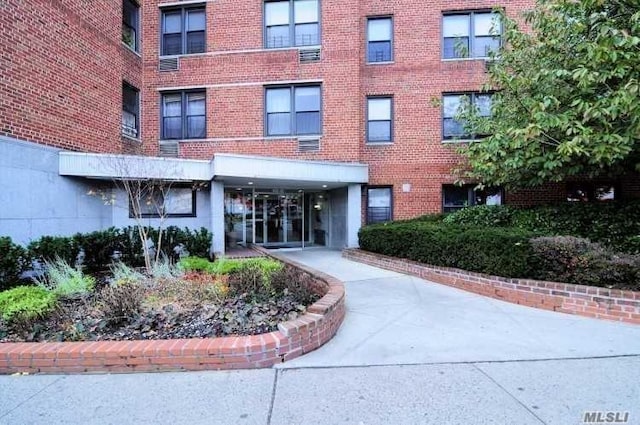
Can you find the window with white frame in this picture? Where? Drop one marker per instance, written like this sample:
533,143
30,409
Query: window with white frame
184,30
454,128
293,110
291,23
379,119
380,39
184,115
472,34
165,201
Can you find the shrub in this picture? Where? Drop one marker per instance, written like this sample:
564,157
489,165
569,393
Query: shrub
14,260
196,242
99,247
165,269
253,276
51,248
492,250
296,283
122,274
121,303
25,304
64,280
191,264
482,215
577,260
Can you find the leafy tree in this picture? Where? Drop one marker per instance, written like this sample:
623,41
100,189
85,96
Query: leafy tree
567,99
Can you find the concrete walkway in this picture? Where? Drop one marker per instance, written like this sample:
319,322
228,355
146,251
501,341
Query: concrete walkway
409,352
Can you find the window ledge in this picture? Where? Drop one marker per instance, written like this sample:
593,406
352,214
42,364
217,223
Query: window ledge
374,144
479,58
185,55
131,50
381,63
456,141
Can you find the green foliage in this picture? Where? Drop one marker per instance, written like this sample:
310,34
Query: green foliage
568,99
63,280
195,264
50,248
165,269
614,225
579,261
14,260
254,277
492,250
99,247
25,303
123,274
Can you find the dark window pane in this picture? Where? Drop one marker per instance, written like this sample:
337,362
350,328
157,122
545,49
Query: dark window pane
453,128
279,124
172,128
172,44
456,47
277,36
308,123
379,131
306,34
378,205
196,127
307,99
455,196
130,99
483,46
195,42
379,51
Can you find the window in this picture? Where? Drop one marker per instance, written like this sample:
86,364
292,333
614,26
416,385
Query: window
183,31
455,129
130,110
379,204
587,191
293,110
474,34
291,23
455,198
130,23
379,39
166,201
184,115
379,119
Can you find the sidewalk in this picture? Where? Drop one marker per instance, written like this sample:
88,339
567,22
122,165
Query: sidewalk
409,352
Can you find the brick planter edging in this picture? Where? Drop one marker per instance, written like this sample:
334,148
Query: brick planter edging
292,339
589,301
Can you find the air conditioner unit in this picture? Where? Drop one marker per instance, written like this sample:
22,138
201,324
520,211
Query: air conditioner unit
169,64
129,131
170,149
309,55
309,144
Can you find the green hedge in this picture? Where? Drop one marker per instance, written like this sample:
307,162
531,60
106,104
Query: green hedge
498,251
14,260
615,225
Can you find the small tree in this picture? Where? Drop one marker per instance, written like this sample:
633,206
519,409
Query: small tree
567,99
146,196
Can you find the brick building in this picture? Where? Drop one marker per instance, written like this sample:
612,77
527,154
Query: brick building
296,120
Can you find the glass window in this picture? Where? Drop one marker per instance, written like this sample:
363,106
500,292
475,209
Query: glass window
588,191
130,110
379,119
291,23
184,115
130,24
457,197
379,204
299,115
455,129
166,201
184,31
379,39
474,34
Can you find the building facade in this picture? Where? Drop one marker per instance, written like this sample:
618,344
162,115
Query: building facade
296,120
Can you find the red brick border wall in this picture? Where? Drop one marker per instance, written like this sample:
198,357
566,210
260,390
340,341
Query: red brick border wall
293,338
601,303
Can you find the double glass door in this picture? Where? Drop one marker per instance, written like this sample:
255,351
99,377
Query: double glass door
279,219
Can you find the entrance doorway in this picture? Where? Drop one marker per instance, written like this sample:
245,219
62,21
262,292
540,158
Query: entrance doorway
275,218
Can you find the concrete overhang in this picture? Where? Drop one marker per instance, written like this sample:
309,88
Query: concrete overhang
232,170
244,170
123,167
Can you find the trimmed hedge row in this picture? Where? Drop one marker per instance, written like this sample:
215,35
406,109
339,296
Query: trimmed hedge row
497,251
97,249
615,225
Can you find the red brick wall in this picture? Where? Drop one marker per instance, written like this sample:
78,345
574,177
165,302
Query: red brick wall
61,71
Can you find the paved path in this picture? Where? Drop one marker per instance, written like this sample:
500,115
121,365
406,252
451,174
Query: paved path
409,352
